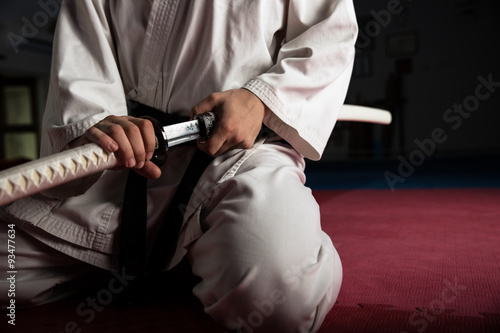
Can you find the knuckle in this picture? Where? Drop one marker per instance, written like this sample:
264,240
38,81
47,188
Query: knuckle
131,129
145,125
194,110
210,150
114,130
234,141
238,138
111,118
227,127
93,132
247,144
212,97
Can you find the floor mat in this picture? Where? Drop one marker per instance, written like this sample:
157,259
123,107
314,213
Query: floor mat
415,260
419,260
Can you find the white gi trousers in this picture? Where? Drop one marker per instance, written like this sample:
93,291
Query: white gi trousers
253,236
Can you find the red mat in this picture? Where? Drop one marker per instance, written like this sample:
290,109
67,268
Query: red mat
414,261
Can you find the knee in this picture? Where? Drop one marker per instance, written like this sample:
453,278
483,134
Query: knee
275,298
265,264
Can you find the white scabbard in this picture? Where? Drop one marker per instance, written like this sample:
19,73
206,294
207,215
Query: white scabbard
51,171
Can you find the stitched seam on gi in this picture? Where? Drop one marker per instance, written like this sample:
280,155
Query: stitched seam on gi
234,169
40,217
158,33
284,124
101,237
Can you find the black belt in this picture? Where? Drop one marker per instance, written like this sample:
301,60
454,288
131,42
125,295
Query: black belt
134,215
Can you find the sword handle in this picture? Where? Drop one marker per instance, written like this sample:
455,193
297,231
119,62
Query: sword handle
51,171
206,122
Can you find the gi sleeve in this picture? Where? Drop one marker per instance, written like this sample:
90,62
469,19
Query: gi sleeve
85,84
306,87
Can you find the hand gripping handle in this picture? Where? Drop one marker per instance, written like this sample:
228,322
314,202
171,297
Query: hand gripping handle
57,169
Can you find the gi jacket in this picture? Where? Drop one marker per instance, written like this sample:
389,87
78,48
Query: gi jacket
295,55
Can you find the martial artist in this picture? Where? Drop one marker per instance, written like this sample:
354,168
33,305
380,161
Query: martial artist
275,73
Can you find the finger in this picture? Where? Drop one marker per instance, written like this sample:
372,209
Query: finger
225,139
149,170
228,145
96,135
206,105
212,149
214,143
131,127
147,133
135,130
114,128
149,137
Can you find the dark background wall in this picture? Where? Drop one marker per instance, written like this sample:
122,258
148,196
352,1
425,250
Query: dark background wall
420,59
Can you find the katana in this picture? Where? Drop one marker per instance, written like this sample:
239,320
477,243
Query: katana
57,169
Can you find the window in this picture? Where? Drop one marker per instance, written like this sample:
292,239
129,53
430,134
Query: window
19,137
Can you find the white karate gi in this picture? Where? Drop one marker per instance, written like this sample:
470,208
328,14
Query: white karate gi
252,229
